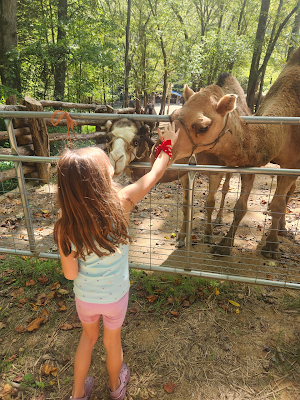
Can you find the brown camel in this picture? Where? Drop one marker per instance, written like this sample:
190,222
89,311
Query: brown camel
209,121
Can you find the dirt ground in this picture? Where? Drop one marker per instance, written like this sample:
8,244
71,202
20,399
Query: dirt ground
206,350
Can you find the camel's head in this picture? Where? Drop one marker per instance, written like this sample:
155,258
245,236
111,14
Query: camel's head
127,140
201,119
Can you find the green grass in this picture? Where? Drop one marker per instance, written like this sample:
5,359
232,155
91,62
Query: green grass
169,286
23,268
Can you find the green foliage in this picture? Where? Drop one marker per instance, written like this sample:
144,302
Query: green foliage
197,44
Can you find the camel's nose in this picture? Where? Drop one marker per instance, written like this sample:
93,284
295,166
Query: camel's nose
117,160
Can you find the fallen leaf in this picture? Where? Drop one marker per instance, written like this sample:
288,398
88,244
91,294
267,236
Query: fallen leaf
17,293
177,282
11,280
234,303
55,286
7,392
41,299
41,319
33,306
174,313
43,280
63,291
186,303
66,327
2,325
60,302
225,346
12,358
217,291
62,308
152,298
22,302
133,310
170,300
192,298
52,295
18,378
167,196
30,283
49,369
20,329
169,387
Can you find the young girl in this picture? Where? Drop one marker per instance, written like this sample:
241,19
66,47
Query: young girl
92,237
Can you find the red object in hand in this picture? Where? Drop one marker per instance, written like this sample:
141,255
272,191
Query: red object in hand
166,146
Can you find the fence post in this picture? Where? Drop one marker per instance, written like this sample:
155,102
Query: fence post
190,205
22,186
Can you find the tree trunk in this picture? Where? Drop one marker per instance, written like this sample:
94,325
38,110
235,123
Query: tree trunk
61,62
260,35
127,63
295,33
9,64
40,139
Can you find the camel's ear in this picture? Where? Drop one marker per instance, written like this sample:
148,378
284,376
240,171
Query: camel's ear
187,92
226,104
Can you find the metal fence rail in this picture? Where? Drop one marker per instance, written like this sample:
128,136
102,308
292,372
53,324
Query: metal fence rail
28,215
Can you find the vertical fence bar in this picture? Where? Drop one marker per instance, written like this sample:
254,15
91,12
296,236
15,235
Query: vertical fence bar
22,186
190,205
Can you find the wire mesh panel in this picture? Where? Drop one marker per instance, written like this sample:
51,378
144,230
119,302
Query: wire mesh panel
157,220
156,223
42,210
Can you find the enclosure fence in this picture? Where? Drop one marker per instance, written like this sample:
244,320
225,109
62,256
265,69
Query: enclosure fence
28,214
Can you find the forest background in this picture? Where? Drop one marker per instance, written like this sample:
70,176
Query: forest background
114,50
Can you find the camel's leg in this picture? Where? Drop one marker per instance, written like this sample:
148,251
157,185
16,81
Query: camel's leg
182,234
282,231
240,209
225,189
278,208
214,182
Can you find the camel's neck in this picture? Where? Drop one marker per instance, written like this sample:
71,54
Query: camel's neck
247,145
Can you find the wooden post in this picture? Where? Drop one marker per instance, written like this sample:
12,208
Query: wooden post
40,139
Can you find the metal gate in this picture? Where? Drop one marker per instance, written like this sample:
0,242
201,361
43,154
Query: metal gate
28,215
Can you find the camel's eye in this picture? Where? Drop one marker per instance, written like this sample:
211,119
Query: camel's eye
135,143
200,129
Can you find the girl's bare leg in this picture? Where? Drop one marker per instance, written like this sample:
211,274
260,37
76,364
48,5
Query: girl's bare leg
83,357
114,355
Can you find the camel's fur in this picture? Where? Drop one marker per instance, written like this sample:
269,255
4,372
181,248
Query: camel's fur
248,145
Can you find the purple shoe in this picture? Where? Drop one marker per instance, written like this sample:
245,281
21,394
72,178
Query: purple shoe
88,387
120,393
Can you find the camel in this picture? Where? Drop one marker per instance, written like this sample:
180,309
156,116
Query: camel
209,121
129,140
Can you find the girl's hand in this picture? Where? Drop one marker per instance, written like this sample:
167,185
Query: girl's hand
170,133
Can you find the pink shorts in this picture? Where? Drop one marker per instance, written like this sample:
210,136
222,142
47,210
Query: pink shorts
113,313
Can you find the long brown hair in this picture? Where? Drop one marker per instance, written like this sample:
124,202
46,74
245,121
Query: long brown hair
91,214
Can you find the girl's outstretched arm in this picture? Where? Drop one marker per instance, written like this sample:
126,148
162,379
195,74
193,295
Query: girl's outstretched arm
137,190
